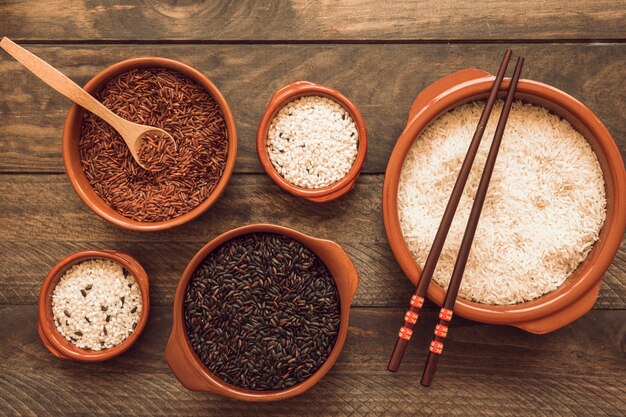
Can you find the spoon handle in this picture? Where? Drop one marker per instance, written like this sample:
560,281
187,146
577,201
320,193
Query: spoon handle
57,80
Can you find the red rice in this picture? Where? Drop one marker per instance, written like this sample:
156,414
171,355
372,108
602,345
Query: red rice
180,106
156,151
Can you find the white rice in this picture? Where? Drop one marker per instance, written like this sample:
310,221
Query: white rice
96,304
544,210
312,142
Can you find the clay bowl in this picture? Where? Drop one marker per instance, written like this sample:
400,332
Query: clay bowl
50,336
580,291
192,373
289,93
71,152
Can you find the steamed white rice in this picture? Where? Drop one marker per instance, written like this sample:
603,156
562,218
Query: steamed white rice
544,210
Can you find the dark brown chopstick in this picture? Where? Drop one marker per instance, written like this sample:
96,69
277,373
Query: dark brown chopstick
417,300
445,315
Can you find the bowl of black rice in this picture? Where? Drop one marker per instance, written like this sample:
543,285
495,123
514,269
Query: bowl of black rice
162,93
261,313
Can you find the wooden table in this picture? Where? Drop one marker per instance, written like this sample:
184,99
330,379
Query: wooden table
380,54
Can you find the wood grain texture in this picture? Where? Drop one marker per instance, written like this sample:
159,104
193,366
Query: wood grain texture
44,220
325,20
381,55
382,80
488,371
134,134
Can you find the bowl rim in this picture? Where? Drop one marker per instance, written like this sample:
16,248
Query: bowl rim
74,170
216,384
54,341
281,98
585,277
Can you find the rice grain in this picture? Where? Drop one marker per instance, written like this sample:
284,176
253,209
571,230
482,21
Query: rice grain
542,215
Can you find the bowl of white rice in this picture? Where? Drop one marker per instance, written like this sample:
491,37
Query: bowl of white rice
93,305
554,215
312,141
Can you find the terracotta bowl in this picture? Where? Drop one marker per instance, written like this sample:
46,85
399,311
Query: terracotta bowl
289,93
192,373
580,291
71,152
50,336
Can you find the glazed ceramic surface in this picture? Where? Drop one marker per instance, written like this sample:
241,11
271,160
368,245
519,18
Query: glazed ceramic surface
579,292
71,152
50,336
289,93
192,373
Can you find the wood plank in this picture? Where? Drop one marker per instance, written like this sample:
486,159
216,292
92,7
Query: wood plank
313,20
486,370
382,80
43,221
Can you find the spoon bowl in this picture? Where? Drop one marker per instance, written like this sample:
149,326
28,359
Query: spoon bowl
154,149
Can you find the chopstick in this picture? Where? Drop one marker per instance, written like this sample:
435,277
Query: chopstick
445,315
417,299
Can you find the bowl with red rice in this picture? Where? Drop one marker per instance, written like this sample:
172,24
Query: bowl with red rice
169,95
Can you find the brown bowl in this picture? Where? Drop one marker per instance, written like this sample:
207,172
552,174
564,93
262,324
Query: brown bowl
289,93
192,373
71,139
580,291
48,333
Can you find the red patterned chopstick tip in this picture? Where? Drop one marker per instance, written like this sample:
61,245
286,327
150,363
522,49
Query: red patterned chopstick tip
445,314
441,330
411,317
436,347
405,333
417,301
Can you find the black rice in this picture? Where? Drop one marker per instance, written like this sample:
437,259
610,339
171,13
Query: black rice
262,312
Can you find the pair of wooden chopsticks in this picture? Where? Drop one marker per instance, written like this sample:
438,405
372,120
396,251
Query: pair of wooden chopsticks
445,315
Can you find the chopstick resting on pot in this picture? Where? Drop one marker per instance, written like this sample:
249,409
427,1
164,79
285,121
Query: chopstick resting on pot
445,315
417,300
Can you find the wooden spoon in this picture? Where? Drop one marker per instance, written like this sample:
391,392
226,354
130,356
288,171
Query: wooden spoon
132,133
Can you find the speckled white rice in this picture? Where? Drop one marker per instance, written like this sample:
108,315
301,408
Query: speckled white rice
96,304
312,142
544,210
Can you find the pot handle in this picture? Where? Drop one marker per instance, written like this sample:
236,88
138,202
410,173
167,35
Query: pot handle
564,316
438,87
353,278
48,345
182,367
343,265
352,275
296,85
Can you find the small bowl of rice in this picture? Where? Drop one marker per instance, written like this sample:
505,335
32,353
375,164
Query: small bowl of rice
312,141
169,95
93,305
553,218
